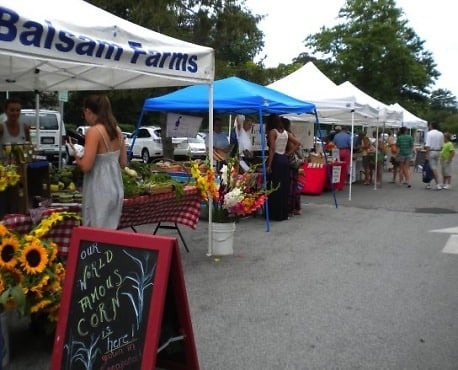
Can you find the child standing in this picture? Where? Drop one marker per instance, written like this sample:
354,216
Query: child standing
446,156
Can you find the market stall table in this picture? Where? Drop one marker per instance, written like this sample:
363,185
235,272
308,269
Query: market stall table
60,234
160,208
140,210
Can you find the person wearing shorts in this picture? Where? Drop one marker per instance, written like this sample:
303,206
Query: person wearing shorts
446,156
433,144
404,142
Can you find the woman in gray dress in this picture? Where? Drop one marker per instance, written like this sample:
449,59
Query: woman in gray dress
102,162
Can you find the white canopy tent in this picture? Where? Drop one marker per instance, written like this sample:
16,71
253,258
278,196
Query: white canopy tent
333,106
410,120
386,115
72,45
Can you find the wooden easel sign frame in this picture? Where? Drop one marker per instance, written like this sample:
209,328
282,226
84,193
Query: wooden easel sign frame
124,304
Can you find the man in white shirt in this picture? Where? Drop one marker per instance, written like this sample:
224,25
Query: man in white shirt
433,145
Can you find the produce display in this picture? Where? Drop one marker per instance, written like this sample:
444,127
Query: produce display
138,179
65,185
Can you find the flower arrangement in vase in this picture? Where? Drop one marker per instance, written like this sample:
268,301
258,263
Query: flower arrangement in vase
234,193
31,275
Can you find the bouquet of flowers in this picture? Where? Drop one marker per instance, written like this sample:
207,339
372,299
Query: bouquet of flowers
31,276
8,176
234,194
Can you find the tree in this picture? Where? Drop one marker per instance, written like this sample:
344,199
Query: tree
376,50
226,26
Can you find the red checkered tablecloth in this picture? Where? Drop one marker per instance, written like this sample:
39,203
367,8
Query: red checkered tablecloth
166,207
60,234
141,210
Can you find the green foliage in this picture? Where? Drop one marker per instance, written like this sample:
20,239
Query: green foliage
375,49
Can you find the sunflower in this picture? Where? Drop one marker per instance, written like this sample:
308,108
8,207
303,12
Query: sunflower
34,257
3,230
40,305
8,249
52,249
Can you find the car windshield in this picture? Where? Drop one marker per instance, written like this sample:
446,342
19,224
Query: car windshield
47,121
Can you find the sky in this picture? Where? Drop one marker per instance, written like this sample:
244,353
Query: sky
288,22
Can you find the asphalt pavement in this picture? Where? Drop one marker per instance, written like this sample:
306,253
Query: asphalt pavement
349,284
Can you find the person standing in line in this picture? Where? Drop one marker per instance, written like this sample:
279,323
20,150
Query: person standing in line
367,150
446,157
342,140
433,145
221,145
104,158
294,200
243,131
404,143
281,146
391,150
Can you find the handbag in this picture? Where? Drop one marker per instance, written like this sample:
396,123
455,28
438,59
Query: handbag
427,172
295,160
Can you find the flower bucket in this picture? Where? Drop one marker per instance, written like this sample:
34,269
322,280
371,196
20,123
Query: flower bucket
223,238
4,339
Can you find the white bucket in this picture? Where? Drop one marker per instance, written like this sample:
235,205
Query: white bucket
223,239
4,339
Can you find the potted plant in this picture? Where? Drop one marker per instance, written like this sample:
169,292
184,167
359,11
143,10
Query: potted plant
233,194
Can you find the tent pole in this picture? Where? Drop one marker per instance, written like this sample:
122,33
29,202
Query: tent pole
328,169
376,158
210,156
135,133
351,153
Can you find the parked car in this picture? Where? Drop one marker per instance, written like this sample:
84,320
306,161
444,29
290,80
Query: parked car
53,135
190,147
147,144
82,130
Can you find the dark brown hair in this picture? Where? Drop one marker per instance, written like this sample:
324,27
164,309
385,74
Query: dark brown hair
100,105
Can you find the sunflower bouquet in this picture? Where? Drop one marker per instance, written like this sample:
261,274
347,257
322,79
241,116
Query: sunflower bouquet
31,275
9,176
234,193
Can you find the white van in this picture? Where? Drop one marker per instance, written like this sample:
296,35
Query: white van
52,133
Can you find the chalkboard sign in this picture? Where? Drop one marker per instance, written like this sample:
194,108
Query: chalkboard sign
124,304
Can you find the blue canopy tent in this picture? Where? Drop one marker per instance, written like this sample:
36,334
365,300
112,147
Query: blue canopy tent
230,95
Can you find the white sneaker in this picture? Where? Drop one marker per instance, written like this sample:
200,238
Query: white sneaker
437,187
445,187
428,186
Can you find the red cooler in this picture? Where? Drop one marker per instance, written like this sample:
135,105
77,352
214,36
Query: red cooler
313,178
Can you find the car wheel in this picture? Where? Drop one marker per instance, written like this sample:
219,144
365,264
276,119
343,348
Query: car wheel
145,156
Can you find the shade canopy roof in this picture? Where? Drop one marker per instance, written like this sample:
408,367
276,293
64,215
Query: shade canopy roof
410,120
231,95
333,105
50,45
